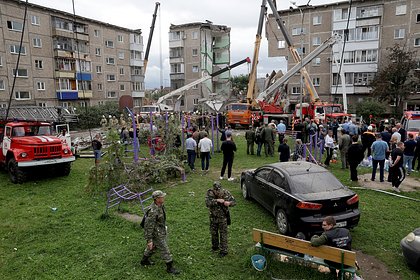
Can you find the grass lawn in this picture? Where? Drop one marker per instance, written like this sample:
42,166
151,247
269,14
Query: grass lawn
74,242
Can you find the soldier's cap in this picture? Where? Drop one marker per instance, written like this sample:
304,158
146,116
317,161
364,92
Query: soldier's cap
217,185
157,194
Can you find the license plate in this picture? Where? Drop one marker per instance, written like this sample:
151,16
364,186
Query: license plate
341,224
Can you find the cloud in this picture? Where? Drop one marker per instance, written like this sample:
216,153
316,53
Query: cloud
240,15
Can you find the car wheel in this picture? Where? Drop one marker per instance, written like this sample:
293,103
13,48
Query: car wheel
244,190
17,175
64,169
282,222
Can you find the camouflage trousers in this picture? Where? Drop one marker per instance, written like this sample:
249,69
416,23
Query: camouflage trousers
159,243
219,235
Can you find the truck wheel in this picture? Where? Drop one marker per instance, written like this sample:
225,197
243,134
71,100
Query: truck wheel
17,175
64,169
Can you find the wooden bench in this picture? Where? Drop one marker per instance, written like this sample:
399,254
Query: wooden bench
122,193
293,248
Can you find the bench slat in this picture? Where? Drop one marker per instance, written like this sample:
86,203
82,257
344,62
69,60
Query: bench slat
303,246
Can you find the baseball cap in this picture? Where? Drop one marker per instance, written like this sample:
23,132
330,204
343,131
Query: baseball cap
217,185
370,127
157,194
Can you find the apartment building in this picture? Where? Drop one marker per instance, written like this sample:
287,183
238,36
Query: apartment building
197,49
66,60
373,26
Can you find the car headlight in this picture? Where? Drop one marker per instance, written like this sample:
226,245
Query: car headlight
410,237
23,155
66,151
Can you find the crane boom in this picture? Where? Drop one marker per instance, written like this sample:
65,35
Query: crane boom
253,75
268,93
203,79
295,54
149,41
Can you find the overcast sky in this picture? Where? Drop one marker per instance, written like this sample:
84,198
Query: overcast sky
240,15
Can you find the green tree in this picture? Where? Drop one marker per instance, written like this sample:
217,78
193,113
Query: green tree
370,107
396,77
239,83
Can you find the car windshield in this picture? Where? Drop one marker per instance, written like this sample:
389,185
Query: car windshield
413,125
315,183
149,109
238,107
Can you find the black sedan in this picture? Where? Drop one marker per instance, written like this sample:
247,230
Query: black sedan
300,195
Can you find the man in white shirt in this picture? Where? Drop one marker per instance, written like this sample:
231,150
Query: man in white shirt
205,145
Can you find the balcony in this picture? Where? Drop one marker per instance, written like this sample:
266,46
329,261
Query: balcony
67,95
176,43
176,60
137,94
136,47
85,94
136,62
177,76
64,74
63,53
83,76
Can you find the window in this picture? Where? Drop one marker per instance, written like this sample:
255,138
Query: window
85,85
98,69
136,55
110,77
65,104
122,87
281,44
99,86
83,66
316,41
40,85
37,42
98,51
110,60
298,30
174,36
122,72
341,14
21,73
2,87
400,9
96,33
121,55
39,64
111,94
316,61
365,12
1,61
14,49
176,68
42,104
64,64
195,87
417,42
195,69
35,20
120,38
136,70
14,25
195,52
109,43
194,35
195,101
316,81
363,78
317,20
347,76
22,95
295,90
418,18
399,33
301,51
137,86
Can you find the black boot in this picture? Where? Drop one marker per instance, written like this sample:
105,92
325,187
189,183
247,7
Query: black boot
146,261
171,269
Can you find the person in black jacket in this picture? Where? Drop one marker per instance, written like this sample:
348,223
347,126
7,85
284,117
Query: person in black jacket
355,155
334,237
284,151
228,148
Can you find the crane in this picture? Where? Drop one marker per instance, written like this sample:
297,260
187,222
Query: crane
149,41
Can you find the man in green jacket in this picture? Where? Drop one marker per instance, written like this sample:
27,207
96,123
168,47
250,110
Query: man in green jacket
155,232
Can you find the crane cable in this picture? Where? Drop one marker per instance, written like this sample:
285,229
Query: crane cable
80,66
18,61
345,38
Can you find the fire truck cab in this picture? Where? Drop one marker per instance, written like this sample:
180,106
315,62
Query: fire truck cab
411,122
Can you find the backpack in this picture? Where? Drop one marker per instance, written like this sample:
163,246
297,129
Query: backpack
143,221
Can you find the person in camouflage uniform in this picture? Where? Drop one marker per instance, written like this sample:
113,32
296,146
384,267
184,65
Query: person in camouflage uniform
218,200
155,232
250,139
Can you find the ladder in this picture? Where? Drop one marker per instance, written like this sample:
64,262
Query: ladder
40,114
